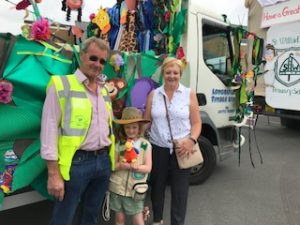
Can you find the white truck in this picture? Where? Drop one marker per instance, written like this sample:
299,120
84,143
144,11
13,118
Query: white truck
208,47
278,24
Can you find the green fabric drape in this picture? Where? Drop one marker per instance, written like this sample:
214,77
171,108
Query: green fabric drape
28,68
29,169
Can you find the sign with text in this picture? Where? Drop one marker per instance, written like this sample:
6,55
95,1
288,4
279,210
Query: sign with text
282,78
283,12
264,3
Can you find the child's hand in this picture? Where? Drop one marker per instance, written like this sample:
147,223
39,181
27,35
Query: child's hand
134,167
124,166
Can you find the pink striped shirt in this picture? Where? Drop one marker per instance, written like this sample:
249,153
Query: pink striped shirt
98,133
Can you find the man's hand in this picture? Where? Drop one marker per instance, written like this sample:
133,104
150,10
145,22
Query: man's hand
56,184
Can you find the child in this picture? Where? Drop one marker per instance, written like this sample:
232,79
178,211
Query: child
133,163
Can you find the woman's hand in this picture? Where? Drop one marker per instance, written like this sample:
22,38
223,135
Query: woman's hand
185,147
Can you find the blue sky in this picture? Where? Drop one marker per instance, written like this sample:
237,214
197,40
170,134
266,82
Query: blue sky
11,20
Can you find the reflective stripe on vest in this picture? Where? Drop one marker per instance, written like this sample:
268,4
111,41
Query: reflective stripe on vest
67,93
76,111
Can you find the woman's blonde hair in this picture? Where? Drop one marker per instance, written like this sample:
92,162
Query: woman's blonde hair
169,61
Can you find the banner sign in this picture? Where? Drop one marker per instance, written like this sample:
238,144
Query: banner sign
284,12
264,3
282,78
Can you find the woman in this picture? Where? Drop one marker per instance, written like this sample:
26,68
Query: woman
183,109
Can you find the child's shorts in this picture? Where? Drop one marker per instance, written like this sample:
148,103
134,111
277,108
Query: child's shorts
124,204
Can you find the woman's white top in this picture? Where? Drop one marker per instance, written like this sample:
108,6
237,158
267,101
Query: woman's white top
179,113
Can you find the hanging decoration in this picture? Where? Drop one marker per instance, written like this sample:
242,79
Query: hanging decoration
245,71
69,5
25,3
6,177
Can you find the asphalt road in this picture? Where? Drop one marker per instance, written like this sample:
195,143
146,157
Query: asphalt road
268,194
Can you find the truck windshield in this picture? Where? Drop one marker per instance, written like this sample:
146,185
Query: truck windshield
216,51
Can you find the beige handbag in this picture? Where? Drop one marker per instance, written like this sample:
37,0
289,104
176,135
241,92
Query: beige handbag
188,161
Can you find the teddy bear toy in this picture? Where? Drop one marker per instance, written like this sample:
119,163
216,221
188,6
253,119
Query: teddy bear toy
131,153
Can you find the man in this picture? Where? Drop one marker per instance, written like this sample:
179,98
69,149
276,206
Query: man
77,139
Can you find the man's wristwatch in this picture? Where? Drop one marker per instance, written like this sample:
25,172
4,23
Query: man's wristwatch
193,139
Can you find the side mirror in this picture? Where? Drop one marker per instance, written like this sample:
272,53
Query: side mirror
201,99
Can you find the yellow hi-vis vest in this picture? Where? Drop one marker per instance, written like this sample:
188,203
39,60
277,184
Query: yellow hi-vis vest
76,111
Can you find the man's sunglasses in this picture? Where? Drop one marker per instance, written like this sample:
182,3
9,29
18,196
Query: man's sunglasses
94,58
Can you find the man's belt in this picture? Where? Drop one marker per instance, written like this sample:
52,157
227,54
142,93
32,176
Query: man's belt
94,152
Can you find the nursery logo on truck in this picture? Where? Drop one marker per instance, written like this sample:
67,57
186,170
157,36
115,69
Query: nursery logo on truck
287,68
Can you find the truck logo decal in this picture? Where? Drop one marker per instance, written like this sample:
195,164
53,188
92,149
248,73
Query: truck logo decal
287,68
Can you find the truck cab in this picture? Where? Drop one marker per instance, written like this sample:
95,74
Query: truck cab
209,53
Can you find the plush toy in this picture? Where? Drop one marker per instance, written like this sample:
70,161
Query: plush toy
131,153
102,21
115,86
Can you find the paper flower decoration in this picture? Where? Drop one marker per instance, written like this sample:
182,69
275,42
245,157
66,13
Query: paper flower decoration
92,16
6,89
40,30
167,16
116,61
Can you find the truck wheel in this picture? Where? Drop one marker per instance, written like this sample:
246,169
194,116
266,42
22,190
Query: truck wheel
289,123
203,171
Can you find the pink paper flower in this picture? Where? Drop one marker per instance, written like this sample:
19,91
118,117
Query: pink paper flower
6,89
92,16
40,30
167,16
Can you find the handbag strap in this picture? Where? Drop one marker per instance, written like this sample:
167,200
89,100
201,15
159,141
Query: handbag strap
168,118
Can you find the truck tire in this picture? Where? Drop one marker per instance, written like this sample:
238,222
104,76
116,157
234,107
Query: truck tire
289,123
201,172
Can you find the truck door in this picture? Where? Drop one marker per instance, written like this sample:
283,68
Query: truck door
214,81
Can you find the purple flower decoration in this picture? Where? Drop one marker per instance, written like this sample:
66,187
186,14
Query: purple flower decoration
119,60
116,61
238,79
6,89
